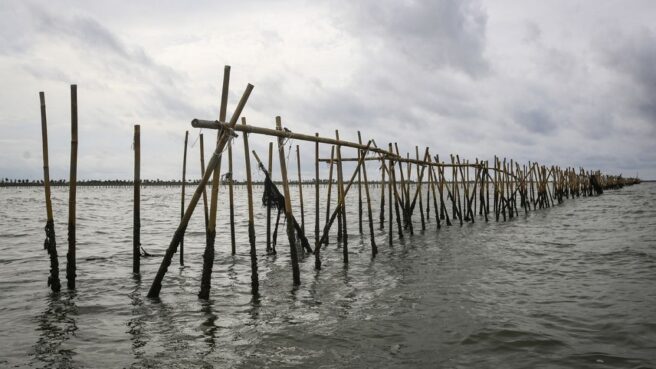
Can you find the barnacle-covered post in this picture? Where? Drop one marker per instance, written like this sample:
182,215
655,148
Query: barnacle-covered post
72,191
50,243
296,274
255,284
136,226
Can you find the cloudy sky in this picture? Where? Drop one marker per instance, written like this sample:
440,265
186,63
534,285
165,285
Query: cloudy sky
568,82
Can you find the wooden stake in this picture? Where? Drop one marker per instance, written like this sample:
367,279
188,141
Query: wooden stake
269,248
341,196
296,274
300,188
372,236
359,194
182,198
72,186
213,167
255,284
382,197
316,194
136,225
330,186
233,245
50,242
202,170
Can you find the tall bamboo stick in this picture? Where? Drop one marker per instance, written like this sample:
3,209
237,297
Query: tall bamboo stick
300,188
372,236
50,242
341,196
255,284
382,197
182,197
136,225
72,187
269,249
231,195
202,170
296,273
330,186
359,194
316,193
223,138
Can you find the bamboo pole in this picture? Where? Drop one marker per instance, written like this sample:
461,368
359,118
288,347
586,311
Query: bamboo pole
332,217
359,193
390,225
231,195
300,188
382,197
50,242
136,225
330,186
372,236
182,197
213,167
296,274
316,194
419,184
269,248
341,196
255,284
208,256
397,199
72,187
202,170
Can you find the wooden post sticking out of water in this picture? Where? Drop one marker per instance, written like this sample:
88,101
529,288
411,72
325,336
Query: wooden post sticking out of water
300,188
136,226
296,274
72,186
341,196
182,197
382,196
330,187
362,154
202,170
213,167
231,195
359,193
269,249
390,200
255,284
50,242
208,256
316,193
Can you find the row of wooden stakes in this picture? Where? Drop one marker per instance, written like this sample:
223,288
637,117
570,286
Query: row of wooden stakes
499,189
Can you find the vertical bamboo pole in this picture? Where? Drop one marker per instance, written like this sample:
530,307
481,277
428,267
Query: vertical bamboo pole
300,188
316,192
72,187
396,193
255,284
50,242
359,194
231,195
341,203
419,184
136,225
214,169
182,197
390,226
269,248
382,196
202,170
330,186
296,274
372,236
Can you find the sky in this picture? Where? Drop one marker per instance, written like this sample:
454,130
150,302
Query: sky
562,82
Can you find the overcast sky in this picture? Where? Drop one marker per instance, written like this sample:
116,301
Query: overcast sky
571,83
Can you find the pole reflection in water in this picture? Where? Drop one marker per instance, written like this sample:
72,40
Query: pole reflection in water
56,325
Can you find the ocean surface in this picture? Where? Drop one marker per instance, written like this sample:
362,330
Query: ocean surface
573,286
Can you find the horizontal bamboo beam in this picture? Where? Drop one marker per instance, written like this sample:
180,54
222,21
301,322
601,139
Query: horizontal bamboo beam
215,124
